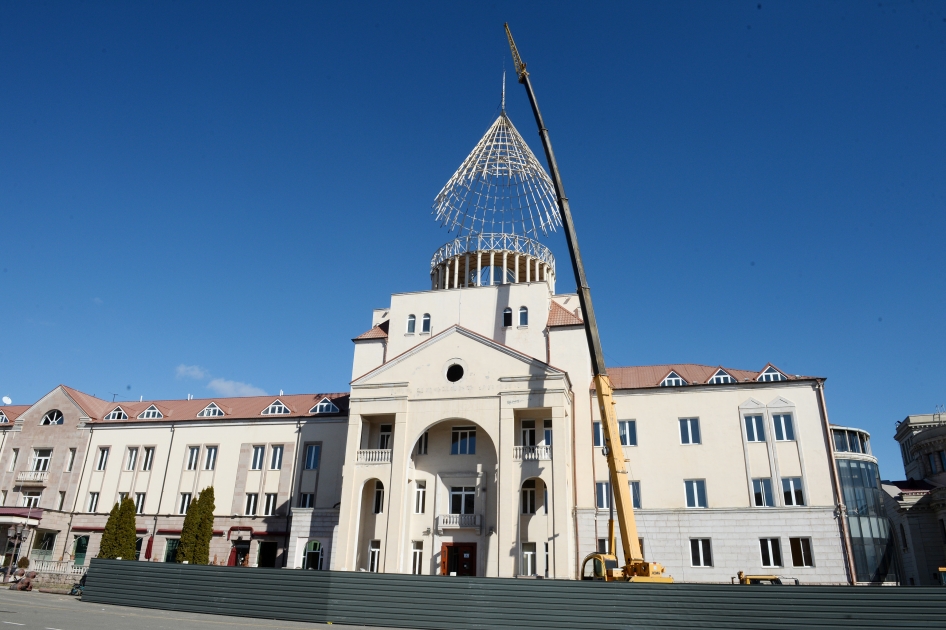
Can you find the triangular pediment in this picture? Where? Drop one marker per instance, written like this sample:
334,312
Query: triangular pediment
752,403
781,402
480,358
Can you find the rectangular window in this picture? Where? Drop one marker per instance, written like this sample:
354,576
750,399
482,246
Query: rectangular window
701,554
31,499
840,441
461,499
59,501
422,444
528,497
270,507
121,497
801,552
784,431
139,503
103,458
170,549
771,552
93,502
71,460
378,497
185,503
210,458
528,559
696,493
257,463
306,500
374,555
420,497
762,493
275,460
384,437
548,432
791,487
603,495
628,432
149,458
3,498
193,453
546,559
635,494
528,433
545,500
597,433
463,441
312,453
251,500
132,459
16,455
41,459
417,559
755,429
689,431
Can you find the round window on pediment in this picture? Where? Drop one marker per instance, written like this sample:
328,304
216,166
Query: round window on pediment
454,373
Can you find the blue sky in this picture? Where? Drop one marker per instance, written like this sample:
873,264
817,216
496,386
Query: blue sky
233,187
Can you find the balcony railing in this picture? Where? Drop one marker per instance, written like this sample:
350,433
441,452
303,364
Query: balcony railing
532,453
32,476
374,456
51,566
460,521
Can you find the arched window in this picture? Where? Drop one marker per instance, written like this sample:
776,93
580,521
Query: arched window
52,417
523,316
411,323
507,318
425,323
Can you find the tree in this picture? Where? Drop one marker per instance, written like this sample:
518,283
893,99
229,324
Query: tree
187,546
107,549
205,528
126,535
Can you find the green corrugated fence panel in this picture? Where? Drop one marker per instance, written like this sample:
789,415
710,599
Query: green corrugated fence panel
411,601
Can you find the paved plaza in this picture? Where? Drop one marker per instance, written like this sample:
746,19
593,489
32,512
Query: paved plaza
43,611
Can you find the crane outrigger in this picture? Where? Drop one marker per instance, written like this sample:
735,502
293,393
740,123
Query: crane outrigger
596,566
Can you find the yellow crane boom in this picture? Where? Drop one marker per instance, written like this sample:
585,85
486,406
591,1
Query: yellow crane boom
602,565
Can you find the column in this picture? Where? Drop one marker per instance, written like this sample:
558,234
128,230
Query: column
505,267
528,269
492,263
466,270
396,544
479,269
456,272
517,268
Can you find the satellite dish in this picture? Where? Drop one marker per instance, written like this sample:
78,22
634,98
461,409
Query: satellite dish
7,401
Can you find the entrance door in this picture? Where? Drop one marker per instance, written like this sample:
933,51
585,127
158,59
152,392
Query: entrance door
267,554
458,559
239,554
81,546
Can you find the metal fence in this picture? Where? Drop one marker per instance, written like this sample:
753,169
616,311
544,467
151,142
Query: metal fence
411,601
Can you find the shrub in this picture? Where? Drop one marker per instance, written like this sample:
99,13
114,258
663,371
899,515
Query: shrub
107,548
23,563
205,527
125,535
188,544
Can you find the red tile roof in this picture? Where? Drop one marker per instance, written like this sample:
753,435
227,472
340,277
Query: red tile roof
560,316
378,332
642,376
12,412
237,407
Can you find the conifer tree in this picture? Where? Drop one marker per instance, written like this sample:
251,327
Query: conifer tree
126,535
205,528
107,548
185,550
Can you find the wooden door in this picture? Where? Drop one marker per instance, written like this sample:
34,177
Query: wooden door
458,559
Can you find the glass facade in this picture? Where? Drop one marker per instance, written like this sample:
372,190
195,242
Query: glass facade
871,540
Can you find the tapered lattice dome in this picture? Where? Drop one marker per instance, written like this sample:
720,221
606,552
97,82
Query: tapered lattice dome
499,189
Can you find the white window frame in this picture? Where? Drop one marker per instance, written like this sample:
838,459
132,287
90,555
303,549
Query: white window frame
132,460
771,375
116,414
40,462
755,427
307,499
151,413
507,317
276,408
59,502
791,486
275,456
71,460
269,509
185,502
149,458
523,316
411,327
528,563
770,548
140,502
425,324
31,498
635,487
251,505
374,556
722,377
325,406
690,431
784,427
211,411
804,545
53,417
696,485
597,434
385,436
627,429
463,492
420,496
102,460
378,506
210,457
528,503
417,557
701,554
313,453
193,457
762,492
93,503
422,443
15,456
465,446
602,495
257,457
673,380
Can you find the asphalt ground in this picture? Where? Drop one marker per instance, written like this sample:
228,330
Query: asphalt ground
45,611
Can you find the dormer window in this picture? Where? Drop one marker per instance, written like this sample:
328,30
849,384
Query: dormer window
3,418
52,417
210,411
721,377
411,324
276,409
151,413
507,318
771,374
117,414
425,323
325,406
673,380
523,316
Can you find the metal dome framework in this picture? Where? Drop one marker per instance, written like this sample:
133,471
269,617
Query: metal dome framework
501,188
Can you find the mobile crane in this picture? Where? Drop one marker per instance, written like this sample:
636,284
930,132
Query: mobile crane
596,566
